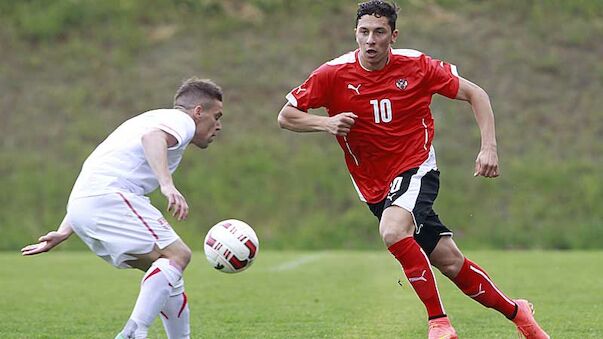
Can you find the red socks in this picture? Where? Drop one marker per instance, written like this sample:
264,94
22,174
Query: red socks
471,279
418,271
475,283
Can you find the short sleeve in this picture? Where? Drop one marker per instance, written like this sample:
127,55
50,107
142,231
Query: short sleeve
313,93
178,124
441,77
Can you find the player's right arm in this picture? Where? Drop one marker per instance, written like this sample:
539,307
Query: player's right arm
50,240
296,120
315,92
155,144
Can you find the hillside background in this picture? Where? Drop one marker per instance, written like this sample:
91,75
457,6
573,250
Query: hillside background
71,71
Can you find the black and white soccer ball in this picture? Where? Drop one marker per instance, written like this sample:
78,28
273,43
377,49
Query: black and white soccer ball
231,246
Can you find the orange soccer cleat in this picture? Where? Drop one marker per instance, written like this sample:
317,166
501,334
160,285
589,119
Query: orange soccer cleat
441,328
525,322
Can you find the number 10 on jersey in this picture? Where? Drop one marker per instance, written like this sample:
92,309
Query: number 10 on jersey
382,110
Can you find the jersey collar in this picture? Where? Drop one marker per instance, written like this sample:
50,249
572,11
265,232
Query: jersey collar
359,64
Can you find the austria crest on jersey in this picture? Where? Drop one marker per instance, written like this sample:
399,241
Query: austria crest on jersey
401,84
231,246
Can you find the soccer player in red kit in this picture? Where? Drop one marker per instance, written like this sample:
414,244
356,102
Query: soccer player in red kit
377,99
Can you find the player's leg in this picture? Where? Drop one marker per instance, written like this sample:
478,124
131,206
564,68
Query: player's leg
178,253
127,231
175,315
135,234
162,280
470,278
397,228
401,215
477,284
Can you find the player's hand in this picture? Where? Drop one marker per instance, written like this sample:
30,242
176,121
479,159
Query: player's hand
45,244
341,123
486,164
177,205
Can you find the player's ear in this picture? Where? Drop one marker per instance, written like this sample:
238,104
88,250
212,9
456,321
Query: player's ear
394,36
198,110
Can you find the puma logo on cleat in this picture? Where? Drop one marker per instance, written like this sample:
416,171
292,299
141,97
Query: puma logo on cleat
479,292
355,89
421,278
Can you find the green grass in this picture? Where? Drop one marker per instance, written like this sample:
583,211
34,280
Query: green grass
326,294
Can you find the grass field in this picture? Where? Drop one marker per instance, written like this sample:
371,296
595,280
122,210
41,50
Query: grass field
327,294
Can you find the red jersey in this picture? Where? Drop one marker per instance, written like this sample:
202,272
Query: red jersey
394,128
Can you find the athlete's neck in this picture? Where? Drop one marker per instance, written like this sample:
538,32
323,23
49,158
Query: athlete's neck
182,109
371,68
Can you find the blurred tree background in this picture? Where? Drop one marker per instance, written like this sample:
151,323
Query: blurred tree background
72,70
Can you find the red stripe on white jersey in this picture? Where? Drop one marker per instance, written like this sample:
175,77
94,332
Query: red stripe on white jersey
139,216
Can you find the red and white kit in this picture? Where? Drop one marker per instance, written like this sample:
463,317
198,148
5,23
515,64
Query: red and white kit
394,128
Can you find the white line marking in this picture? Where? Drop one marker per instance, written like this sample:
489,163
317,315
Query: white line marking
289,265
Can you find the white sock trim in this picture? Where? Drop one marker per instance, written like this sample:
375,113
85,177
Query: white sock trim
476,270
172,273
178,288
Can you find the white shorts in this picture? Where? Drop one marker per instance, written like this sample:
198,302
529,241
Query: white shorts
117,225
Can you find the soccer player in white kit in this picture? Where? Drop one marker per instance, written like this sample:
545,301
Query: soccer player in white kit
109,211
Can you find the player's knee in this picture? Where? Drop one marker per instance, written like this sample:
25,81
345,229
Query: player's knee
178,253
396,224
184,256
392,233
449,269
446,257
448,265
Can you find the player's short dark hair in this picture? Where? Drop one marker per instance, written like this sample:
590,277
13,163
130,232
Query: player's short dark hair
196,91
379,8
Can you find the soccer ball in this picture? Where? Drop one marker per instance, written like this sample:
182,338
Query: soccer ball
231,246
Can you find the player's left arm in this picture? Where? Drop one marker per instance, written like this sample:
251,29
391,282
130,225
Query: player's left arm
486,163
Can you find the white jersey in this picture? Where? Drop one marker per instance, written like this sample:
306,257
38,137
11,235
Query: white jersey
119,163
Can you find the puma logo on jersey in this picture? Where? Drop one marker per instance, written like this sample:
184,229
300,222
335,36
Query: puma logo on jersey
479,292
421,278
299,90
390,196
355,89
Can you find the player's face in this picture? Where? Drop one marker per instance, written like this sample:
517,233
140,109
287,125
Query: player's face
374,37
208,124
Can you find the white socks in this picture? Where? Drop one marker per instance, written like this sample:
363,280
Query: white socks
175,314
155,290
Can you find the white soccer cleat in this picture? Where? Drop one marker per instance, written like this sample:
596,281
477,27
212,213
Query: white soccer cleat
129,331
